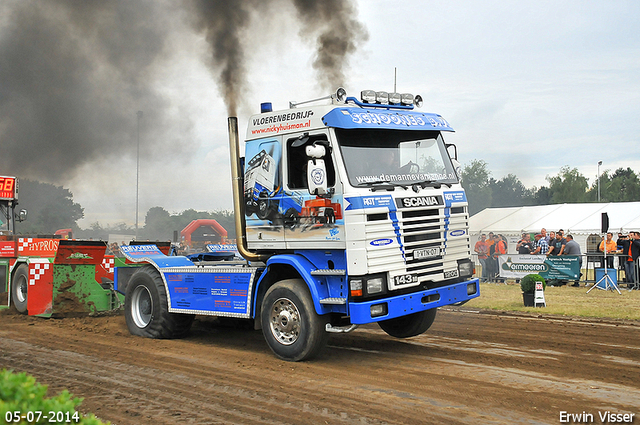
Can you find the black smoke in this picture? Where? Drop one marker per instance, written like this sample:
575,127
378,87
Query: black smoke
329,25
74,73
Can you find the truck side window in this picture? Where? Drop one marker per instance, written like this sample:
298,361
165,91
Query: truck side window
297,163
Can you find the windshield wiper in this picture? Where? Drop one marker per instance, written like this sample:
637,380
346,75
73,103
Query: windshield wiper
378,185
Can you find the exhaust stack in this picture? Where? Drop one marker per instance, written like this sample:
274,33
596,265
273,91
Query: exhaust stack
237,184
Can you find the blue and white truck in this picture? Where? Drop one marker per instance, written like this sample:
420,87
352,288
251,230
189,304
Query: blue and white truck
378,232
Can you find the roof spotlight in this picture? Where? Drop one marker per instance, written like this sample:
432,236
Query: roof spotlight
407,99
418,101
368,96
341,94
382,97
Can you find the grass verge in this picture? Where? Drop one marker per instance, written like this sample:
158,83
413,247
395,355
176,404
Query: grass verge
563,300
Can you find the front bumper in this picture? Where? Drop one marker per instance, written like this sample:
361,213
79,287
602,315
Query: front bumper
402,305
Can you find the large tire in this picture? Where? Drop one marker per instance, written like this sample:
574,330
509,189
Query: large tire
290,325
410,325
264,206
19,287
146,310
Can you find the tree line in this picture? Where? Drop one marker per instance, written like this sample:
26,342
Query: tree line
52,207
568,186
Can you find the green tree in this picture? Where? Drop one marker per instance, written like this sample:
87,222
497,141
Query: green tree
569,186
508,191
475,179
621,186
158,224
50,208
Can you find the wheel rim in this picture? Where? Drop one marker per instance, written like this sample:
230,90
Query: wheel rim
21,289
142,307
284,321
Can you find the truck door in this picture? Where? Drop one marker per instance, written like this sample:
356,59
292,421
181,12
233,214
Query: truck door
262,193
311,221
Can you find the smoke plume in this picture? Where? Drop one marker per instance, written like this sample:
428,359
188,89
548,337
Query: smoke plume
74,73
330,25
337,34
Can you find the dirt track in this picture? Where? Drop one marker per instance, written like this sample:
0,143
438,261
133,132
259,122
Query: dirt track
469,368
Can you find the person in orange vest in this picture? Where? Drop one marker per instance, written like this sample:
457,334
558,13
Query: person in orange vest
610,247
498,248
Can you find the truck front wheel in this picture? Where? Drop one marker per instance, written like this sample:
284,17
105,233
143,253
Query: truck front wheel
19,286
410,325
292,328
146,309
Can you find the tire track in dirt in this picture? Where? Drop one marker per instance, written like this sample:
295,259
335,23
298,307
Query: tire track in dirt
466,369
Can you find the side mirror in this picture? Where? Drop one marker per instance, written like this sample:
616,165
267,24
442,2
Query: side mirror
455,150
316,170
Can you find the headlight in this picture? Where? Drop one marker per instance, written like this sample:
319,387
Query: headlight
378,310
375,285
465,268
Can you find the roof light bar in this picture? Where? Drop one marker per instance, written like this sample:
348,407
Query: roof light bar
385,98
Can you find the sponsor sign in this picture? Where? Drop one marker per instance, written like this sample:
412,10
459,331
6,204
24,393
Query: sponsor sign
374,201
565,267
399,119
452,197
419,201
381,242
7,248
140,251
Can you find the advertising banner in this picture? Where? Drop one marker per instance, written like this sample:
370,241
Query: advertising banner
565,267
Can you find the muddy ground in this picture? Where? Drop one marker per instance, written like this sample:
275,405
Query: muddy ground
469,368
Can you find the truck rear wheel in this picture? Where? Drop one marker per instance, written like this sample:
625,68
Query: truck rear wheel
146,309
290,325
19,287
410,325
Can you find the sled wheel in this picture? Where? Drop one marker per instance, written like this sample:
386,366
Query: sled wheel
19,287
411,325
290,324
146,310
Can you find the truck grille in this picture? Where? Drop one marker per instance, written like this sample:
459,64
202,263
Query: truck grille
421,230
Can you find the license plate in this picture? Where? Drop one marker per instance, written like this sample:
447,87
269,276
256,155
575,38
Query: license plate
405,279
450,274
420,254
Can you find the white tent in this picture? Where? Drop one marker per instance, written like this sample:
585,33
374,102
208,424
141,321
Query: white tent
580,220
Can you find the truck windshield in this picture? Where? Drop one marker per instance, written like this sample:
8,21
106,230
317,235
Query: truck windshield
395,156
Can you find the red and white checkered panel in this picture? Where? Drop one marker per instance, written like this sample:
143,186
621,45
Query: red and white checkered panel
23,243
37,269
108,264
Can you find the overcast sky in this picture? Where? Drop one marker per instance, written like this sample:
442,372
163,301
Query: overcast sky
529,86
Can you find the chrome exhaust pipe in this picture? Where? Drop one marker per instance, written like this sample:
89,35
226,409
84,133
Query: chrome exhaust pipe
237,185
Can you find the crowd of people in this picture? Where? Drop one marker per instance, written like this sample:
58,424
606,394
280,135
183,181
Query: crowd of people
626,248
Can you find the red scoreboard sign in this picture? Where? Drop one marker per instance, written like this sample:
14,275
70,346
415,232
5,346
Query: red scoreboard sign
8,189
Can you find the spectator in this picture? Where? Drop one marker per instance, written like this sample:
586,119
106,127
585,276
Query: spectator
556,247
633,254
609,247
543,232
525,246
498,248
623,248
541,245
482,249
573,248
